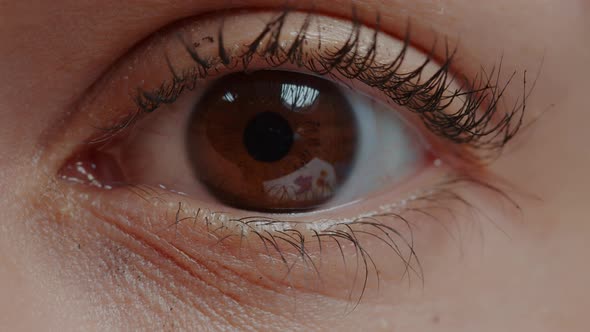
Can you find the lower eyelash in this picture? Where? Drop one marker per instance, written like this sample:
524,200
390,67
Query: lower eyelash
478,122
287,242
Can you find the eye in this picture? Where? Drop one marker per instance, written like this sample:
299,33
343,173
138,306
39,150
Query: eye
271,141
297,133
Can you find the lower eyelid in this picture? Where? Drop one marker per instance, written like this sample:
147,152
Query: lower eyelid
263,254
243,266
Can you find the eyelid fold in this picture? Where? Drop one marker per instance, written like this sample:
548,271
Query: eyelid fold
96,119
370,61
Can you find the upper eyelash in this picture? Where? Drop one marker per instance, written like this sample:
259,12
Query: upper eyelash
475,123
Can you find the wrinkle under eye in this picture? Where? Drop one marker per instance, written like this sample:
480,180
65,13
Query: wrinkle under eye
273,140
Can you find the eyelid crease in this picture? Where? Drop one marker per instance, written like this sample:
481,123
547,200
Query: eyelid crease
477,119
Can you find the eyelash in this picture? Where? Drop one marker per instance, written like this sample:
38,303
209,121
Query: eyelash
474,124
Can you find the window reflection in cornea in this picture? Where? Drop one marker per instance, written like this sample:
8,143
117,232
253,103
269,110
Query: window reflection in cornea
165,77
230,97
298,97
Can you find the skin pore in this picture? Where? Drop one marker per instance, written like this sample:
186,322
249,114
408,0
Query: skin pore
65,266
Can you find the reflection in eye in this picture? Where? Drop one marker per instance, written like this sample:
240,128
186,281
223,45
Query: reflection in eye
298,97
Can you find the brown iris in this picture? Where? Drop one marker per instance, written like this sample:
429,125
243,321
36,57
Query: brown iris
273,140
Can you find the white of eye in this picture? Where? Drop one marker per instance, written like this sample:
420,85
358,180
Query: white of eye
389,149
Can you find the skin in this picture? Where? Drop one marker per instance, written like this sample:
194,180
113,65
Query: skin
62,271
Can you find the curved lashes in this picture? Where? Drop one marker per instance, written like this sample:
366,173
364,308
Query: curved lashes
481,121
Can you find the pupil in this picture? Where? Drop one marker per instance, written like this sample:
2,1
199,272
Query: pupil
268,137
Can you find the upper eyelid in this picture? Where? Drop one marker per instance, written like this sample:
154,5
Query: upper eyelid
485,90
130,26
101,116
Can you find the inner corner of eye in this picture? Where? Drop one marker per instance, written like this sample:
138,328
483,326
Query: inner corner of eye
269,141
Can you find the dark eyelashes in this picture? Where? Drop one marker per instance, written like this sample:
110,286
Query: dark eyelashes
291,243
481,121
